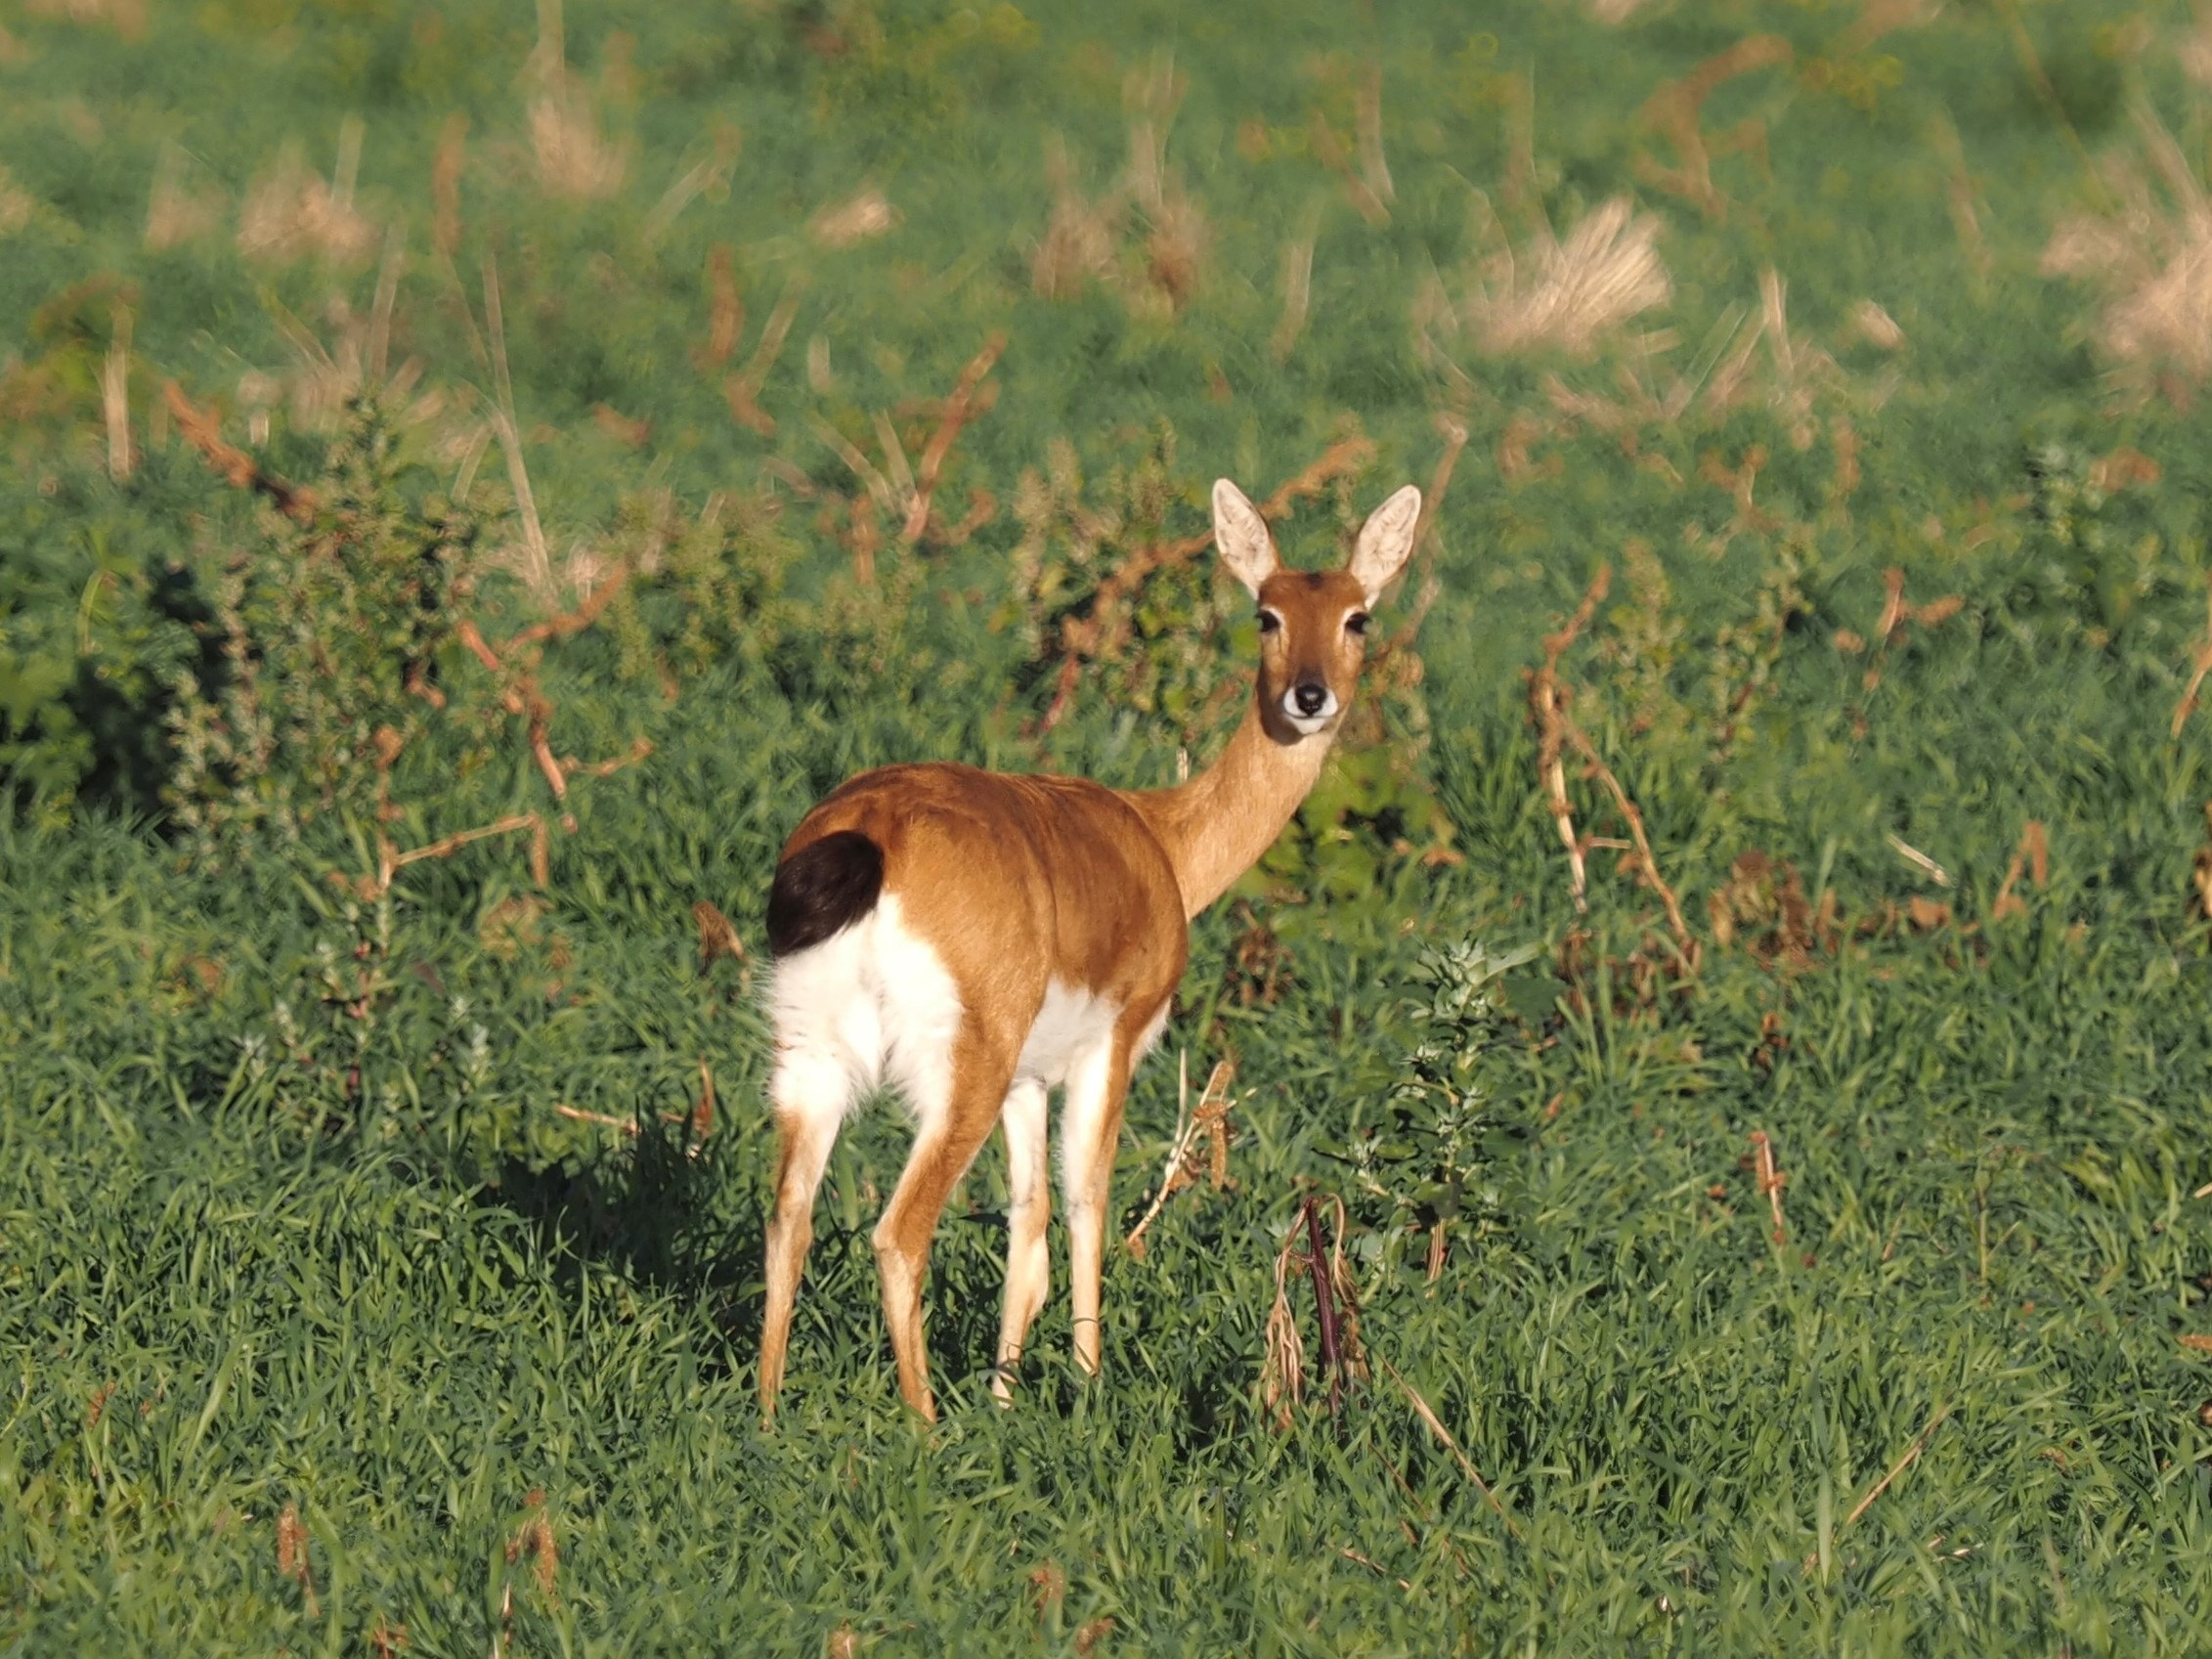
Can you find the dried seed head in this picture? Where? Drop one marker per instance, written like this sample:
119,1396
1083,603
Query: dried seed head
1579,291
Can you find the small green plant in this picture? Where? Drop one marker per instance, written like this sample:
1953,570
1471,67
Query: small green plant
1429,1159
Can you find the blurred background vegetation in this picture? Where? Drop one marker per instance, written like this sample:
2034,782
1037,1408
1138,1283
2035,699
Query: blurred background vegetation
475,473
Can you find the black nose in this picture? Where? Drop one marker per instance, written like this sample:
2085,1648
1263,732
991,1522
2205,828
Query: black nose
1309,698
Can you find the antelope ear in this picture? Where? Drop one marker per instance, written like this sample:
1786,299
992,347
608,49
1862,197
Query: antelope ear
1385,541
1241,535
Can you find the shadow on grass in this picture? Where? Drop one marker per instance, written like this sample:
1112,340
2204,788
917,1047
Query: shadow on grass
657,1216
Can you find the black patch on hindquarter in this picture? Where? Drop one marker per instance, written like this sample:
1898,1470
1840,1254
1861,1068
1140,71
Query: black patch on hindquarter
822,889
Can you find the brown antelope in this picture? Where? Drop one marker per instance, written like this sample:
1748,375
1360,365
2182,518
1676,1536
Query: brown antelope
976,938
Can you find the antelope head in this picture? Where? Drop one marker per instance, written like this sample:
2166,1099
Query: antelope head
1312,622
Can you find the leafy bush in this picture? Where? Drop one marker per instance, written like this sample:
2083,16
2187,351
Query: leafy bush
339,626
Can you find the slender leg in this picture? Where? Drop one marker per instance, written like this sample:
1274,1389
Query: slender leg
810,1097
1028,1264
1090,1128
948,1141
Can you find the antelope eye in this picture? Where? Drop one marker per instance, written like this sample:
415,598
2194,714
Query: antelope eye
1270,622
1356,623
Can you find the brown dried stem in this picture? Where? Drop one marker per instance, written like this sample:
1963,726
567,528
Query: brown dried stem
1436,1427
1428,588
1547,706
2032,857
1643,859
390,861
970,397
1332,1349
2200,665
744,389
203,430
1181,1169
1771,1180
1898,1467
1674,112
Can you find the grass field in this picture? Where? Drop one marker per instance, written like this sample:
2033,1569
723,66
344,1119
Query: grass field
475,474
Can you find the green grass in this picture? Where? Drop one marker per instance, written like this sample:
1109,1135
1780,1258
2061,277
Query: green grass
271,1248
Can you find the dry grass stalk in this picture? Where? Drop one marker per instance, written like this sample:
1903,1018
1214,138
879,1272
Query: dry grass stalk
1641,856
1283,1371
1877,326
16,205
867,216
116,395
2195,51
1962,197
1548,703
293,1554
870,476
1367,117
1614,13
1427,1415
1898,1467
726,311
390,861
537,563
710,174
1175,248
175,213
292,212
1297,296
1844,439
445,185
1771,1180
1328,150
2151,259
1428,588
1579,291
2032,857
1079,239
1915,857
972,395
1083,239
2201,873
743,389
1336,1304
1674,112
534,1537
717,936
1896,617
573,159
1177,233
1183,1167
702,1110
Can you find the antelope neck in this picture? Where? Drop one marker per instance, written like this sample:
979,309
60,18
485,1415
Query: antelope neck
1215,827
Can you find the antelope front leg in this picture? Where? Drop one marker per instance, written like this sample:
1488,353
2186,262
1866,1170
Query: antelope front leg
1028,1263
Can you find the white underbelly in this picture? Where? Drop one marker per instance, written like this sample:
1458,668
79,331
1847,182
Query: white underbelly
1074,1024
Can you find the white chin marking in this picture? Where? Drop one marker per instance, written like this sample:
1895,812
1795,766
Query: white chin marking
1308,724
